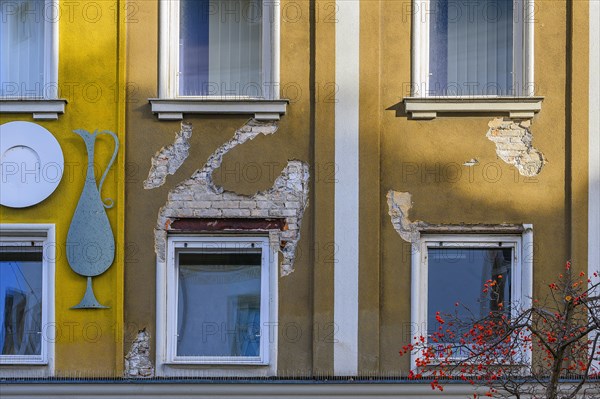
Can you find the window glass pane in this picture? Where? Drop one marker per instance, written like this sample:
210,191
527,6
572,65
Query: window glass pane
22,31
219,304
220,48
458,275
20,300
471,48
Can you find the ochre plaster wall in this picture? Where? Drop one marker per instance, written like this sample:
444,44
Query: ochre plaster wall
424,158
246,169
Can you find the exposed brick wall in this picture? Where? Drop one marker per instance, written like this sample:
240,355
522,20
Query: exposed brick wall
513,141
199,197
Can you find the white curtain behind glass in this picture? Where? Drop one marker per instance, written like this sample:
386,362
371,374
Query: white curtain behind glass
218,311
221,48
22,36
471,47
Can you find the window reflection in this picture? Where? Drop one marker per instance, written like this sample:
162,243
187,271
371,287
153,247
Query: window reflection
20,300
458,275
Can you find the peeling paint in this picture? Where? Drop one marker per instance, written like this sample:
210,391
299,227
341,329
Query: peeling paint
199,197
399,205
170,158
513,141
137,361
471,162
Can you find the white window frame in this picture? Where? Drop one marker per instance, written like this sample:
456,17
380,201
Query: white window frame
168,363
422,105
171,106
49,106
43,235
169,58
521,273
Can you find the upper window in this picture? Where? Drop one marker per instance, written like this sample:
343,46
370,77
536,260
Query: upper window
26,302
219,300
453,269
28,49
473,48
222,49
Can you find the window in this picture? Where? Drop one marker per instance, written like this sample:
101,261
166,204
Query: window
220,49
477,51
453,268
220,57
26,294
220,298
29,58
28,49
474,47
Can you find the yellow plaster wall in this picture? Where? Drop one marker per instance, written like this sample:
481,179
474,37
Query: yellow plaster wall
89,342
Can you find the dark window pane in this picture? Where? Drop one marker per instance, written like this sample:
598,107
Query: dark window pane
20,300
458,275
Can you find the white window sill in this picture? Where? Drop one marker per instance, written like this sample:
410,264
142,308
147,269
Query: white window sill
173,109
513,107
41,109
216,362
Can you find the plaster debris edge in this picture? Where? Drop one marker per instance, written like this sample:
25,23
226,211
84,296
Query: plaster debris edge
170,158
137,361
400,203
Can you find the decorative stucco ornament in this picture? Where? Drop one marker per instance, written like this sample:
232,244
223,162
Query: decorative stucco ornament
90,241
31,164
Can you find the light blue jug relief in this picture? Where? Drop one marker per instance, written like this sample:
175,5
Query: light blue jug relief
90,241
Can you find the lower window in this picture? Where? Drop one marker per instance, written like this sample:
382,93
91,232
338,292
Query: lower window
26,271
453,269
218,296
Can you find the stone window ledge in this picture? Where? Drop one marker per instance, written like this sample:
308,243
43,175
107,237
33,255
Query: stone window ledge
513,107
173,109
41,109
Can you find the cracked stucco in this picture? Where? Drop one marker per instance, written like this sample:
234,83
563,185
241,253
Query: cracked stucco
471,162
168,159
199,197
513,141
137,360
399,205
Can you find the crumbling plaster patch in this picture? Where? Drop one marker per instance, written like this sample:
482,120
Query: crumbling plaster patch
199,197
471,162
137,360
399,205
513,145
168,159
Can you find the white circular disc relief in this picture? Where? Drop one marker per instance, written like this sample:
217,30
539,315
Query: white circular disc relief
31,164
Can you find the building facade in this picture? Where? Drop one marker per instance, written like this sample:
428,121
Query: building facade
299,185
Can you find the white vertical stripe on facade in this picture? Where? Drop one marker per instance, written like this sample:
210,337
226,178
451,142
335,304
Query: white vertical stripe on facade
345,350
594,147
